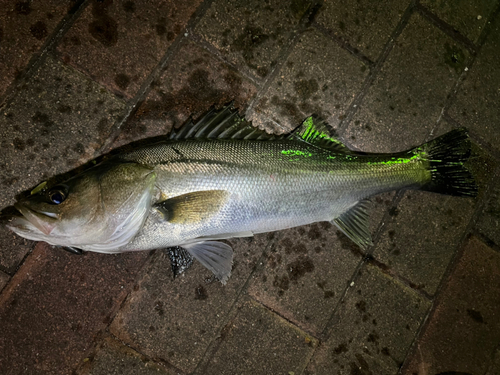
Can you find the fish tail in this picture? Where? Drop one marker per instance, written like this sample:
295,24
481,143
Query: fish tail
446,156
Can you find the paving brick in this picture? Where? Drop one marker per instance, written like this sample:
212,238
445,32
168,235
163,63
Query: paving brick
24,28
4,279
55,123
119,43
489,220
483,167
55,305
58,121
366,25
319,77
476,104
495,365
193,82
258,341
372,329
305,273
468,17
463,330
402,106
176,320
113,358
423,236
12,249
251,34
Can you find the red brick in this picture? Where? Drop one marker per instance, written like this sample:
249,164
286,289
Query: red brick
55,305
4,279
464,329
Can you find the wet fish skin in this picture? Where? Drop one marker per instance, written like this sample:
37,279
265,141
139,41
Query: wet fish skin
221,178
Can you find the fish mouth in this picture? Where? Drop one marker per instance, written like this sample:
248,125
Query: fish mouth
41,220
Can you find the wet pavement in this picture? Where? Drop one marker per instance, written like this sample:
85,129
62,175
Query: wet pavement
79,78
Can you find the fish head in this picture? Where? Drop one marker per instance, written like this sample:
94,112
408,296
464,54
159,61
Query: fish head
100,209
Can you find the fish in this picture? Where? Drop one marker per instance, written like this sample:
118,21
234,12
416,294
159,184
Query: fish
221,178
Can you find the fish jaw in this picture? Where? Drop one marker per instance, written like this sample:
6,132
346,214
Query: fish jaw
24,228
40,220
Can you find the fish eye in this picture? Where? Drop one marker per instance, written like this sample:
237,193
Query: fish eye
58,194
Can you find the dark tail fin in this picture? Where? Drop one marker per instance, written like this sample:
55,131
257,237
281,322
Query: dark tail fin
447,155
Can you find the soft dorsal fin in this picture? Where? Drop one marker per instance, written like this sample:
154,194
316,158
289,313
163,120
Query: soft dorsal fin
355,223
223,124
317,133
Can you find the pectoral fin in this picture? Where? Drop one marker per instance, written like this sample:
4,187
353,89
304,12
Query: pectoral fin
192,207
214,255
355,224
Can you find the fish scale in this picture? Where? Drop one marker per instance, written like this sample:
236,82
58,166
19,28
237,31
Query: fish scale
317,184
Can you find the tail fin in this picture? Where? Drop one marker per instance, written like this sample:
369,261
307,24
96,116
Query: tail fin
447,155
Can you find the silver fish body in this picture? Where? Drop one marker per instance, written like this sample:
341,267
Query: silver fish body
222,178
269,186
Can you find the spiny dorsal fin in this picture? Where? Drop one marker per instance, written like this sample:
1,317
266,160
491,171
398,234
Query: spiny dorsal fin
223,124
355,223
317,133
192,207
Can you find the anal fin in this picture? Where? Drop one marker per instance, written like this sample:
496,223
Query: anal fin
355,224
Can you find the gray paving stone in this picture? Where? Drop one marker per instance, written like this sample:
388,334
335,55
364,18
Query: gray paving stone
193,82
468,17
495,366
319,77
119,43
113,358
372,329
176,320
24,28
476,104
258,341
365,25
483,167
57,122
407,97
422,237
489,220
463,330
251,33
305,273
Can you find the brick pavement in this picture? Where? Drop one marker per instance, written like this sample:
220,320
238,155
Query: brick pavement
79,78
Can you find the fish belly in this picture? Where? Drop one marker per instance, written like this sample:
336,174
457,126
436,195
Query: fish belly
255,205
